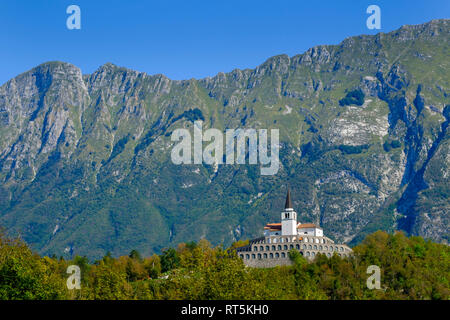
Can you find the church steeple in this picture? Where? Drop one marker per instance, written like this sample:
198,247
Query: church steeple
288,217
288,204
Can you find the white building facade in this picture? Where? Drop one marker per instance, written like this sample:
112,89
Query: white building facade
279,238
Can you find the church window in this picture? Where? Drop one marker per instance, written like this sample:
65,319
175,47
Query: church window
256,248
283,255
267,248
261,248
271,256
313,254
265,255
279,247
297,246
247,256
315,247
307,253
273,248
242,256
320,248
342,249
309,247
304,246
285,247
253,256
259,255
277,255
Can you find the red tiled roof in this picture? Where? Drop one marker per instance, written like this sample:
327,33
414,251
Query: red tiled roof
273,226
307,225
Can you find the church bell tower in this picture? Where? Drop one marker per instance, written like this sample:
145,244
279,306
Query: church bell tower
288,218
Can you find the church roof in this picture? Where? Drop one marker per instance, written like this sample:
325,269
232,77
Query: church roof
288,204
273,226
307,225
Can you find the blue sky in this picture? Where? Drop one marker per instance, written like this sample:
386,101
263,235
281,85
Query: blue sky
187,39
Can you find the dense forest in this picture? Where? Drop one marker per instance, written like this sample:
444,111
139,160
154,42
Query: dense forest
411,268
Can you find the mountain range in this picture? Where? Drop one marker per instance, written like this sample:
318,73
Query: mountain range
85,164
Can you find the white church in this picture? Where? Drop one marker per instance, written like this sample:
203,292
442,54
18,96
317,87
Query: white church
279,238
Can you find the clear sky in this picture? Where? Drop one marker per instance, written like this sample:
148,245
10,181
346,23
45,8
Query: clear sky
187,39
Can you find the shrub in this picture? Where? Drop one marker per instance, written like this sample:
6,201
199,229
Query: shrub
353,97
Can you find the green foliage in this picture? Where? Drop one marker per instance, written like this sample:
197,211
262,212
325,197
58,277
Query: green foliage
108,284
353,97
411,268
134,254
24,275
191,115
169,260
297,258
388,146
353,149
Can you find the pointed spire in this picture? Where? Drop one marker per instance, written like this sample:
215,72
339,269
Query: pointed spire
288,204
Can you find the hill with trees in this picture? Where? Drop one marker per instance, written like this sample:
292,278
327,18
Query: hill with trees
411,268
